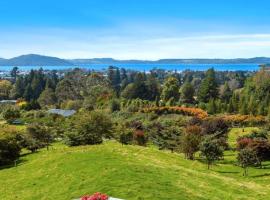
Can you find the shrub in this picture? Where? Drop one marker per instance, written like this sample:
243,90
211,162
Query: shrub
126,137
32,105
9,146
211,150
165,134
37,136
88,129
72,104
218,129
242,120
115,105
195,121
11,114
139,137
246,158
196,112
260,146
243,143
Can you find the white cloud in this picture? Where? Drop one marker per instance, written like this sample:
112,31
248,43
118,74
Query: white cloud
129,45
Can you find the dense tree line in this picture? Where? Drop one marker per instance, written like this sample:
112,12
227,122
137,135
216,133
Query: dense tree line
214,91
112,104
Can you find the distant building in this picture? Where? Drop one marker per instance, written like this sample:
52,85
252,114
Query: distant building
64,113
8,102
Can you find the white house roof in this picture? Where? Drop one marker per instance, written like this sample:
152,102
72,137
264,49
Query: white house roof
65,113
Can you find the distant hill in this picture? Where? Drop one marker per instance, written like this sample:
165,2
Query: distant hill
107,61
34,60
40,60
257,60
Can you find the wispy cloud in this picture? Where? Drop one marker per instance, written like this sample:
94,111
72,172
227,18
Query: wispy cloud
127,44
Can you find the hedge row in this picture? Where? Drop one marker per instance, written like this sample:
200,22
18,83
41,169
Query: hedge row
196,112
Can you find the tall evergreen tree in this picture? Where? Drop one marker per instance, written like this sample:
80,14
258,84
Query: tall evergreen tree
170,89
226,93
209,87
187,93
28,93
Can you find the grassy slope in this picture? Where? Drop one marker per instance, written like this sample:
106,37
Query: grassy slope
128,172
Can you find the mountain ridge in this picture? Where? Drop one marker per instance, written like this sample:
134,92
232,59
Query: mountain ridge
41,60
34,60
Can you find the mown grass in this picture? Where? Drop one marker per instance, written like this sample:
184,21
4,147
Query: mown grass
128,172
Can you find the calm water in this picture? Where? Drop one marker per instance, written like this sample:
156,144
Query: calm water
147,67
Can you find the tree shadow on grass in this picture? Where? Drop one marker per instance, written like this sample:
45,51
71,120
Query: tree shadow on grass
260,175
12,165
226,172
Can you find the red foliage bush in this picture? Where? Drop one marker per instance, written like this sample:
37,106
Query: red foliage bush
96,196
139,137
243,143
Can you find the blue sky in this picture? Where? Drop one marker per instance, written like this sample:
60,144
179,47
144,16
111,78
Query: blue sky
135,29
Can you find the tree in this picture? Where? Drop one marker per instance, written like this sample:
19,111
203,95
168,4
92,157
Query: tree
166,135
97,91
252,105
114,78
243,106
47,97
190,141
28,93
14,72
65,90
209,87
170,90
153,88
89,129
18,88
212,107
247,158
5,88
38,136
225,93
187,93
138,89
9,146
211,150
215,127
262,149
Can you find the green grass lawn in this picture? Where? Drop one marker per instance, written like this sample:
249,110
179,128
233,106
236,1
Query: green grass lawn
128,172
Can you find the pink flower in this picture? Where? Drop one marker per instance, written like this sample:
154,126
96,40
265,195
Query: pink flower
96,196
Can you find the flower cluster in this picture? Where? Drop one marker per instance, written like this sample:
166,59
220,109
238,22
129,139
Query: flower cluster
96,196
196,112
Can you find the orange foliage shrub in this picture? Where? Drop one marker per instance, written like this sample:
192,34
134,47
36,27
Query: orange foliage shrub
197,112
245,119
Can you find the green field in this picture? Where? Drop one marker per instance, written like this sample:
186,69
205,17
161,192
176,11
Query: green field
128,172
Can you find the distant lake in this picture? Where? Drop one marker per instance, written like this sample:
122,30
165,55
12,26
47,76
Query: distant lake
148,67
